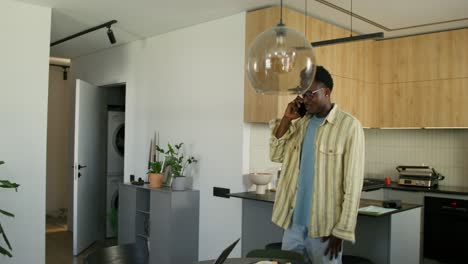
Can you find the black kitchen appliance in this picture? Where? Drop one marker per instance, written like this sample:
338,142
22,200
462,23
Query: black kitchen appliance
421,176
446,229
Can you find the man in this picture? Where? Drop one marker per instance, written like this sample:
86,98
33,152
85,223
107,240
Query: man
322,173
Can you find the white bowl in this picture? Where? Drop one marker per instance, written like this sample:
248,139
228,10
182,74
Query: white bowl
261,179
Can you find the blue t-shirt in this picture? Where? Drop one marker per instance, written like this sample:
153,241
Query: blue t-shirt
306,174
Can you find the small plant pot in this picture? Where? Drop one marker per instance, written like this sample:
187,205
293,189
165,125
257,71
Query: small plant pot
155,180
178,183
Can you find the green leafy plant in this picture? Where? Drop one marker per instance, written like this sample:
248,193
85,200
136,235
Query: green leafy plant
8,185
176,159
155,167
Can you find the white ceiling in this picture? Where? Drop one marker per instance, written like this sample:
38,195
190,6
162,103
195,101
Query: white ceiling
139,19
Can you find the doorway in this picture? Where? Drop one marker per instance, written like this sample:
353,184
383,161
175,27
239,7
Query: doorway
115,154
60,153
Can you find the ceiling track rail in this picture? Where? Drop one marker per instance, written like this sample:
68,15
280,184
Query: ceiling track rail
107,24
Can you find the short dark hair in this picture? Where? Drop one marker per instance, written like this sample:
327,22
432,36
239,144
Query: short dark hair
323,76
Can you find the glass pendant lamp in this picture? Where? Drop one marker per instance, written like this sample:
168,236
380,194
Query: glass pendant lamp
281,61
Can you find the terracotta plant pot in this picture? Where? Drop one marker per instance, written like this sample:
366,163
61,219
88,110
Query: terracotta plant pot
155,180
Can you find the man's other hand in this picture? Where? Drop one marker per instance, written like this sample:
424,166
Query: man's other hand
334,246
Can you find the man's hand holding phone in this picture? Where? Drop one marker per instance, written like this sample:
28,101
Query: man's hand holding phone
295,109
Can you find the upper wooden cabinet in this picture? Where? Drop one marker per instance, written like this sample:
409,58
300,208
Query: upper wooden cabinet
436,56
416,81
257,107
423,80
436,103
350,66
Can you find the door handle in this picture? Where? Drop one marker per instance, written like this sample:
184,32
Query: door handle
81,167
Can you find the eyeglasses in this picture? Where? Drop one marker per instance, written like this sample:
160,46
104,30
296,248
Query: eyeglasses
311,94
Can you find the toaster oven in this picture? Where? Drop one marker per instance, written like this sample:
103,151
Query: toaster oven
421,176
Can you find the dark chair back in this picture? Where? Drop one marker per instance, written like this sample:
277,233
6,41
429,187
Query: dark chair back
276,245
276,254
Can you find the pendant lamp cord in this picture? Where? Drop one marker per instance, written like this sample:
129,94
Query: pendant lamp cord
281,13
351,18
305,18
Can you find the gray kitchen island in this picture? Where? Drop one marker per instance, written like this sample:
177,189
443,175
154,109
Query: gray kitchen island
392,237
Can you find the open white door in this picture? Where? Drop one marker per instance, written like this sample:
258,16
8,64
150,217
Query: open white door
88,166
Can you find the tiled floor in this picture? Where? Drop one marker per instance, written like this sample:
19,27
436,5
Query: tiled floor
59,244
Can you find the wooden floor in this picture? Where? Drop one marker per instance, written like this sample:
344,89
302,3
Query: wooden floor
59,244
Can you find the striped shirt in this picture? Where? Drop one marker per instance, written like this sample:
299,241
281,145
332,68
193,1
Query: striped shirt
339,173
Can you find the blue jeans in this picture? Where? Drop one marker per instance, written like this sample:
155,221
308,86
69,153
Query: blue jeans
296,238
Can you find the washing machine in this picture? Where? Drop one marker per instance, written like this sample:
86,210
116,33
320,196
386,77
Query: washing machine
112,204
115,142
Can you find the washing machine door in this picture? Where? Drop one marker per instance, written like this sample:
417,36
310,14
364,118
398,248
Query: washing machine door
115,200
115,142
112,205
118,141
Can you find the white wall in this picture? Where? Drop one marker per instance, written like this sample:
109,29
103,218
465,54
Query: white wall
188,85
24,53
58,182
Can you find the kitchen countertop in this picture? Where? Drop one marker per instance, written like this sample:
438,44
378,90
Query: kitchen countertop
439,189
371,184
269,197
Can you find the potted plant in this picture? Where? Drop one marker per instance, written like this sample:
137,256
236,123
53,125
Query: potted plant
177,162
6,184
155,176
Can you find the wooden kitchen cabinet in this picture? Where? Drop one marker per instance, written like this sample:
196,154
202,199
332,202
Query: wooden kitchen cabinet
436,103
424,80
355,88
435,56
354,71
258,107
409,82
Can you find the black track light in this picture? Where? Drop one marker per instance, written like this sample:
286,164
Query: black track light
110,34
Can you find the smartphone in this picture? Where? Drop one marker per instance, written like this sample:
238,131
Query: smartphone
301,110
